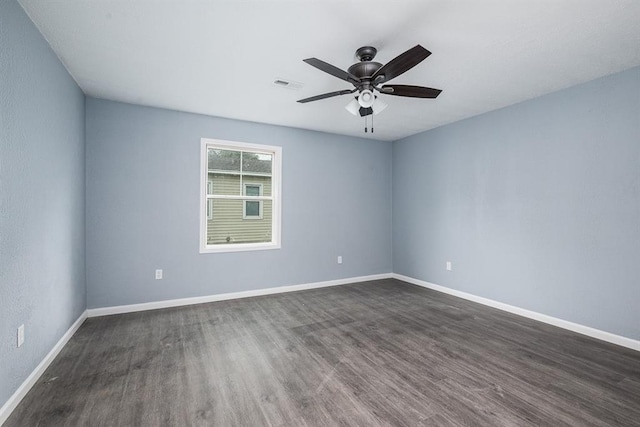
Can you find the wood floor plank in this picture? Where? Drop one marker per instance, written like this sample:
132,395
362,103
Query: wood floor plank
382,353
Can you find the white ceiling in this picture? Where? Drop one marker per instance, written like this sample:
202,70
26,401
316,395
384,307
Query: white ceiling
220,58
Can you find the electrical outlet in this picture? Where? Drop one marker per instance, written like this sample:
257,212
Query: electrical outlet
339,259
20,335
448,265
158,274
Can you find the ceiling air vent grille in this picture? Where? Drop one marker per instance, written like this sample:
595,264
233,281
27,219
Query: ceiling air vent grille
288,84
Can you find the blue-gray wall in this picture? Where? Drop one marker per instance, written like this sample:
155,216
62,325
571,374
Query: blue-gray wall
42,276
537,205
143,186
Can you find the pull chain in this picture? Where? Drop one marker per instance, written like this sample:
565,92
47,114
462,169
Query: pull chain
365,123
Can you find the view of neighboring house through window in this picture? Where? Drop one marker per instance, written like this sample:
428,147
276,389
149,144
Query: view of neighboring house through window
241,205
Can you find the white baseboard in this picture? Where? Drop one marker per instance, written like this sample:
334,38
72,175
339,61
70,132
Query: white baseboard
24,388
130,308
565,324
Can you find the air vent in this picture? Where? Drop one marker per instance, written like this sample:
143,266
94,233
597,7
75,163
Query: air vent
288,84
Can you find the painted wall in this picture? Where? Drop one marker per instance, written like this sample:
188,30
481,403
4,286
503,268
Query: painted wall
537,205
143,167
42,276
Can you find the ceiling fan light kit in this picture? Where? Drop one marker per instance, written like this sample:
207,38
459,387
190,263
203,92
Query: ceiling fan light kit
366,98
355,107
368,77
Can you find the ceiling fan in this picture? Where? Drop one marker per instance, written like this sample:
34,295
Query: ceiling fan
368,77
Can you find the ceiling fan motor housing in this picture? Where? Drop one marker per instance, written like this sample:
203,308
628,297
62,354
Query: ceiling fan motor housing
364,70
366,67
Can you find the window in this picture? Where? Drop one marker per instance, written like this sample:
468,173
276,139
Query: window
252,208
240,196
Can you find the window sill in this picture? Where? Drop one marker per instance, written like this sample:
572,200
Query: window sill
238,247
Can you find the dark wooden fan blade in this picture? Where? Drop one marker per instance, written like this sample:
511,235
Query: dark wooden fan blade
401,64
410,91
326,95
330,69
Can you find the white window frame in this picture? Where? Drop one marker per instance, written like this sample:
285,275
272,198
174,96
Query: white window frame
275,197
244,202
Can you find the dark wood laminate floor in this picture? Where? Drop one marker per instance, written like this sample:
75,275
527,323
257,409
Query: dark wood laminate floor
367,354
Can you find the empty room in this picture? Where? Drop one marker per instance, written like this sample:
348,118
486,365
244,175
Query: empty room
319,213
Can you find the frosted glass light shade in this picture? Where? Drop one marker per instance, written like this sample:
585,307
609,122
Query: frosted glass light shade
378,106
353,107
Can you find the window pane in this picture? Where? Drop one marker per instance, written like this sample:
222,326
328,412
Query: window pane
224,160
252,190
266,185
257,163
229,226
226,184
252,208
